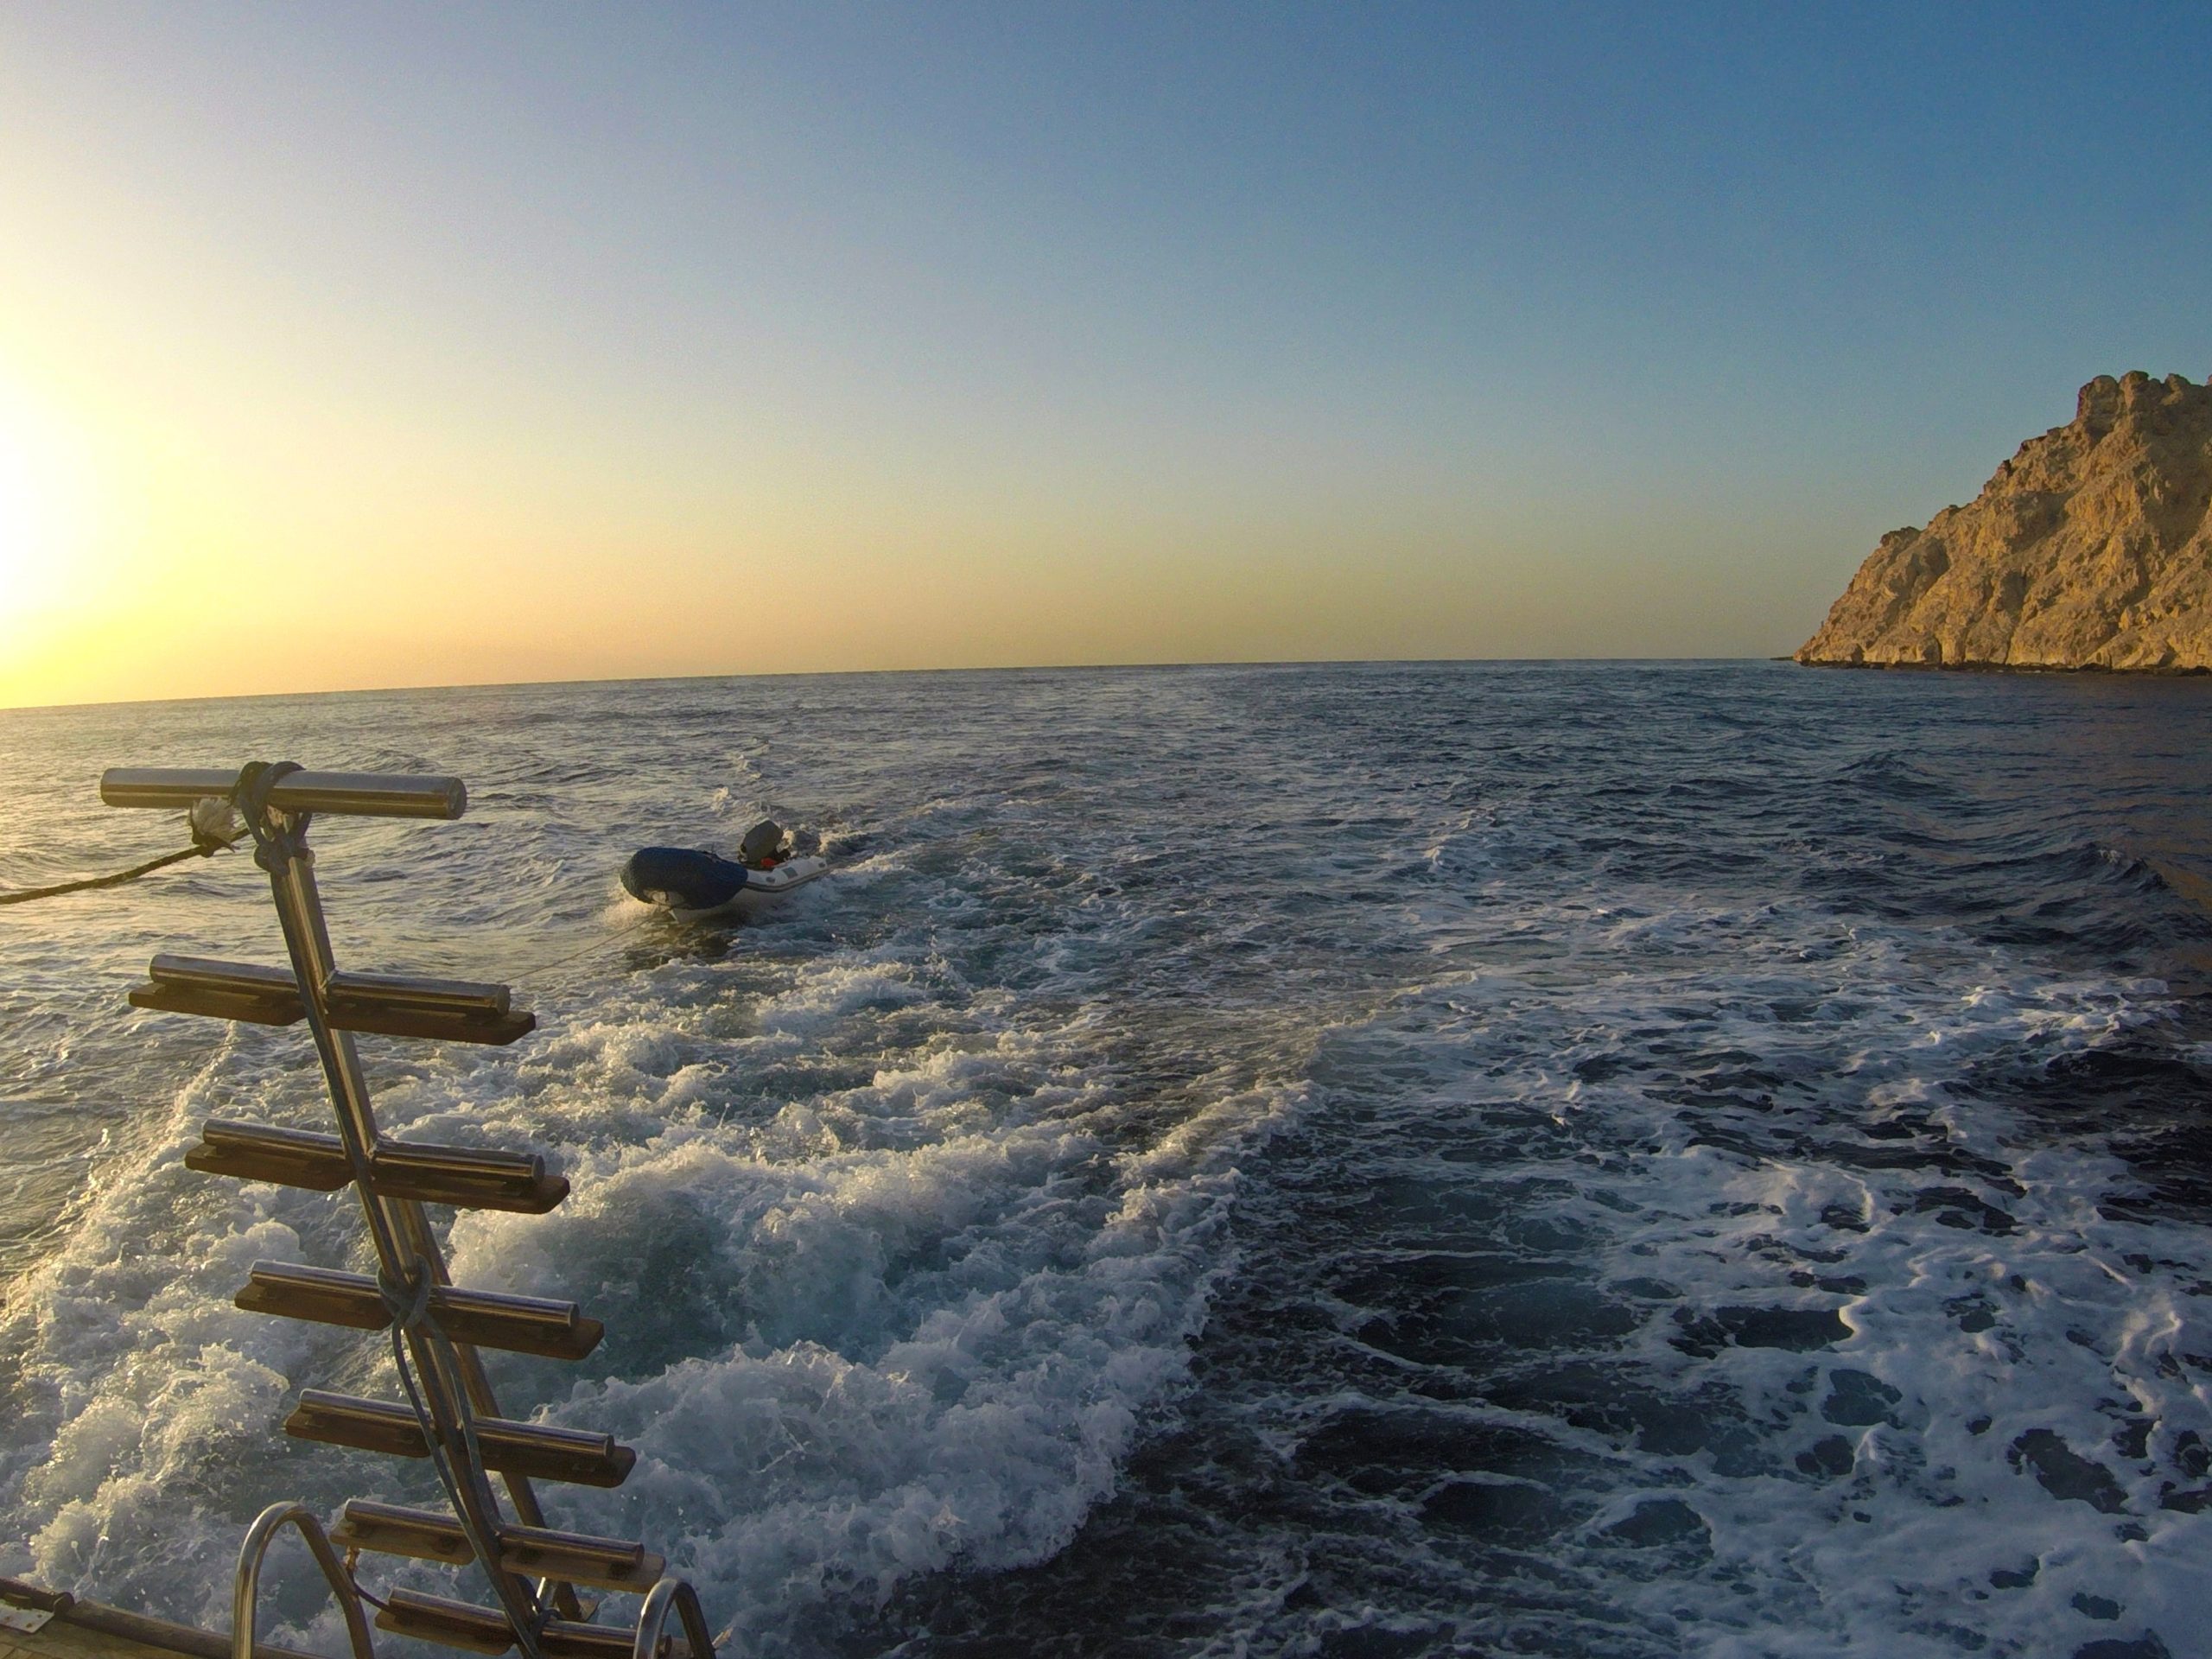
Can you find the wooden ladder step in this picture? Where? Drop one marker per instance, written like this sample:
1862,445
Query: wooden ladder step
528,1552
262,1152
450,1623
484,1630
537,1451
393,1005
389,1529
468,1177
564,1638
482,1318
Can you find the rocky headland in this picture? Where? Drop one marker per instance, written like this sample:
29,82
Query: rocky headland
2090,549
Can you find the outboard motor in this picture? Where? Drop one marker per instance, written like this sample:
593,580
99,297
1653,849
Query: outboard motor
764,841
681,877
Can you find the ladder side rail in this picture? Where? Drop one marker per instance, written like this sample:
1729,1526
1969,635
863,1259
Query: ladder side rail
415,1239
476,1386
398,1228
246,1587
307,939
520,1492
462,1474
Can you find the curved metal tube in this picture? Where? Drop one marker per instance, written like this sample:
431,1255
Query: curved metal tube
653,1615
245,1591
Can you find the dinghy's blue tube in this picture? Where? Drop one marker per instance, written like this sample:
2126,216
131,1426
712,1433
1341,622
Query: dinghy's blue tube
681,877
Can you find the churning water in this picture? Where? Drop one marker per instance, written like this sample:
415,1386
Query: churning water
1566,1159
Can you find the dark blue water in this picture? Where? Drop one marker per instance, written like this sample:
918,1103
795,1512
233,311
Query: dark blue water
1625,1160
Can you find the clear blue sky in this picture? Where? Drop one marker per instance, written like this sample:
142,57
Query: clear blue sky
561,336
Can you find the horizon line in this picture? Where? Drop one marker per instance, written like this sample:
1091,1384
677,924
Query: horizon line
835,673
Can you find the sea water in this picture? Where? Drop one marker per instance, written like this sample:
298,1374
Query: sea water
1545,1158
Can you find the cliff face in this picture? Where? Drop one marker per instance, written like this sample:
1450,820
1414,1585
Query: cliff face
2091,548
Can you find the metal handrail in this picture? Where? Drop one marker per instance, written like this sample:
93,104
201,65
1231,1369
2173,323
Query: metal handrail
346,794
652,1618
245,1589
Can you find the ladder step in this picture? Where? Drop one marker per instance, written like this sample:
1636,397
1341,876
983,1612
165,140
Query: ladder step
466,1177
262,1152
264,997
403,1169
292,1292
445,1621
484,1630
534,1450
482,1318
394,1005
528,1552
564,1638
422,1534
579,1558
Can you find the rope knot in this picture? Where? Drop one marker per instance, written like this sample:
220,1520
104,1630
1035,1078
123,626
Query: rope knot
408,1300
272,849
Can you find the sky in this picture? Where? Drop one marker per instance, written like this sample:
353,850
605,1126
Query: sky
348,346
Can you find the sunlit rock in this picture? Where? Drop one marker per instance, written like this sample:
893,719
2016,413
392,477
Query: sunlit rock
2090,547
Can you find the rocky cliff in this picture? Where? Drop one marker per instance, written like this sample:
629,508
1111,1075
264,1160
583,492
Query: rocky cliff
2091,548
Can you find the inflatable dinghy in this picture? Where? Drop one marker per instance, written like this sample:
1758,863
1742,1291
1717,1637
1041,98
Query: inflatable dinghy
769,865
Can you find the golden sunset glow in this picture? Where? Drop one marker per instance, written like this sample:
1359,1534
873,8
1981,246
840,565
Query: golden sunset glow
44,506
774,348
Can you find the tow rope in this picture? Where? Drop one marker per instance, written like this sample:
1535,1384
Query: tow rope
215,828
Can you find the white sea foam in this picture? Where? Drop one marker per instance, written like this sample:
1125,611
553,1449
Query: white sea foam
1979,1458
859,1330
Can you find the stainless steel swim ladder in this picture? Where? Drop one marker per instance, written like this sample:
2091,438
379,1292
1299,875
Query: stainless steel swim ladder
449,1414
